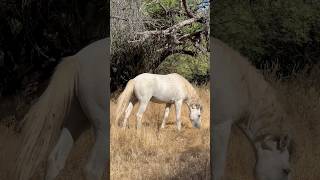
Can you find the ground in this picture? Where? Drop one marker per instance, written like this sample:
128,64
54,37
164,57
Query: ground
167,154
153,153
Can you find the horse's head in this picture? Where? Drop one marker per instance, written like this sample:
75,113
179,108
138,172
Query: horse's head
195,114
273,158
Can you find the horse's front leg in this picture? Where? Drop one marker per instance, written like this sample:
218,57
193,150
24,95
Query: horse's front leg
166,114
219,144
178,105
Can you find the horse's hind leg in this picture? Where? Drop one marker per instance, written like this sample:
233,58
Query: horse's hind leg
98,158
142,108
127,113
96,111
59,154
166,114
75,124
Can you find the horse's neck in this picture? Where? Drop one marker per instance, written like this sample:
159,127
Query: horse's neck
273,125
193,97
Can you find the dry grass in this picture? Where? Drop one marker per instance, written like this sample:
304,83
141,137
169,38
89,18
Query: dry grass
167,154
153,154
10,140
300,97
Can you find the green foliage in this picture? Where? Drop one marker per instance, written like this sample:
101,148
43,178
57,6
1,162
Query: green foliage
168,13
268,31
188,66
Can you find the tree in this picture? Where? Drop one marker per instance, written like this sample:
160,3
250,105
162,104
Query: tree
145,33
283,32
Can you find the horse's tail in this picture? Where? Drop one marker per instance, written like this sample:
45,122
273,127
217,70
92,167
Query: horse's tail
43,121
123,99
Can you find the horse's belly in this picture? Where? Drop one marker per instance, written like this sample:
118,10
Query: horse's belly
167,98
161,100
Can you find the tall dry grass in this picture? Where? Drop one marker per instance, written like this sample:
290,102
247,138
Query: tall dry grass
300,96
153,153
167,154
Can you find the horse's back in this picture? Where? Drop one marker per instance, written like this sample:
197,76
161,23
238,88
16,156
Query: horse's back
161,87
158,78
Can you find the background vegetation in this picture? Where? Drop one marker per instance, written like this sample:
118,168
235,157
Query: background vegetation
36,34
281,38
134,53
151,152
283,32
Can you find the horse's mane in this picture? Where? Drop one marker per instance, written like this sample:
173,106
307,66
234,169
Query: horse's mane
193,95
264,106
265,114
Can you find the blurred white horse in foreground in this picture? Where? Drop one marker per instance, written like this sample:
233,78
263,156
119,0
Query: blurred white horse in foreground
169,89
75,98
242,97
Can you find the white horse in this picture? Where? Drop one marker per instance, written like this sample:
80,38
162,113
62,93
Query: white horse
242,97
75,98
169,89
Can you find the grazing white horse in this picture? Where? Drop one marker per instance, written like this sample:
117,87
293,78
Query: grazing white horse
75,98
242,97
169,89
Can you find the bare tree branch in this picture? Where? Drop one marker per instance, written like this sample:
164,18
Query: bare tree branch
169,31
185,6
190,35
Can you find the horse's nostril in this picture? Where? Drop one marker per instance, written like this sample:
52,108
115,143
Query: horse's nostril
199,115
286,171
